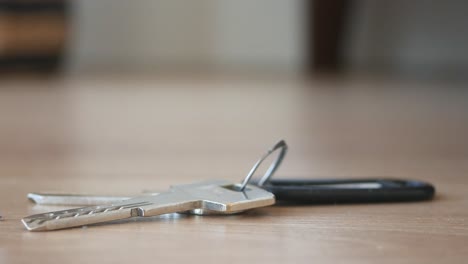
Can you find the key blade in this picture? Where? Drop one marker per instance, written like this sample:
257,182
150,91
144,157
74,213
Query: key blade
170,202
83,216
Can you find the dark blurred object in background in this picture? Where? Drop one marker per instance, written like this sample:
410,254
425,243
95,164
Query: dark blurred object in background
326,24
416,39
32,35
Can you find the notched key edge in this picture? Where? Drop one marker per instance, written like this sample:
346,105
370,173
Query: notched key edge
81,216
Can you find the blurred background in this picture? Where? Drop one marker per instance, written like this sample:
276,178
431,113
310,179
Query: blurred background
418,37
115,87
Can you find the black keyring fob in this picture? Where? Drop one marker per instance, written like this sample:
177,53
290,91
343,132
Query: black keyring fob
326,191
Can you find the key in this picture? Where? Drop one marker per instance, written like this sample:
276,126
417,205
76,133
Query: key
215,196
218,196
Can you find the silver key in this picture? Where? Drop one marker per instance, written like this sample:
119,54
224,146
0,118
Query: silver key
44,198
218,196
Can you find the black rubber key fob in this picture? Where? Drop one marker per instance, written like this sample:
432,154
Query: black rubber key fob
320,191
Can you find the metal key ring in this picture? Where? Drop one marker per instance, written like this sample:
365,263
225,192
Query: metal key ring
271,170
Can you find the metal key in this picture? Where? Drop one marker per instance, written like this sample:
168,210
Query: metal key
218,195
44,198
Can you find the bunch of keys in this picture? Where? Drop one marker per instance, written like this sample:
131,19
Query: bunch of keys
208,197
223,197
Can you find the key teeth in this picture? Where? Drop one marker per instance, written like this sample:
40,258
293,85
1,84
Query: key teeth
32,226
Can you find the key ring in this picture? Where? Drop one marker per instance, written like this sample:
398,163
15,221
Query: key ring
271,170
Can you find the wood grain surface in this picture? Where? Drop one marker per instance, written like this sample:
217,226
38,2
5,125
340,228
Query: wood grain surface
117,134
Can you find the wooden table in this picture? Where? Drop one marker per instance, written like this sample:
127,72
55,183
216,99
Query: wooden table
124,134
